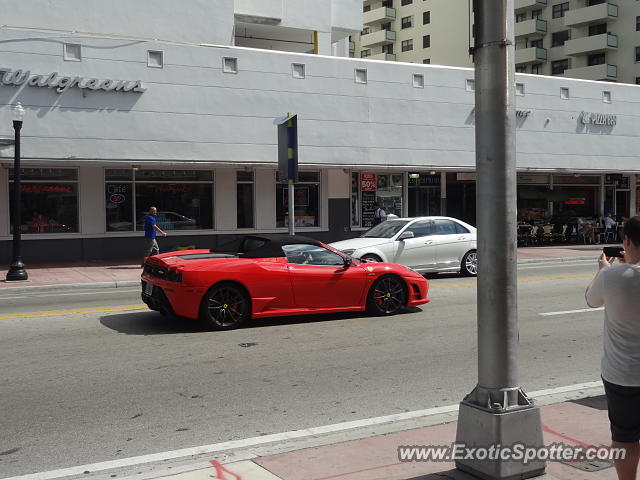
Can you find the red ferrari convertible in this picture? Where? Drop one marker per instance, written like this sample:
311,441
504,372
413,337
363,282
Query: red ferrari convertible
274,275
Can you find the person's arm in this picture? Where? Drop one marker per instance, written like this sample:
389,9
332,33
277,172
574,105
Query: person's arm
594,294
159,230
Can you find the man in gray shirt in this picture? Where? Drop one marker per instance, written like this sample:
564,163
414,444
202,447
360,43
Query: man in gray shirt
617,287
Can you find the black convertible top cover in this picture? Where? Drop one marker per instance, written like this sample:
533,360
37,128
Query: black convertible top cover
263,246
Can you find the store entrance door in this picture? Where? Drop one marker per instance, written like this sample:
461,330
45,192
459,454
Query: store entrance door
424,201
622,203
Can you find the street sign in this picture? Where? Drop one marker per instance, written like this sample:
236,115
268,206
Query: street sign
288,149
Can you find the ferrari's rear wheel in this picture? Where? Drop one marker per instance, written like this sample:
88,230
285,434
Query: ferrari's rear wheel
225,306
388,295
370,257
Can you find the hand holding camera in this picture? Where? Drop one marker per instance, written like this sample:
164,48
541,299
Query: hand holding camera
609,254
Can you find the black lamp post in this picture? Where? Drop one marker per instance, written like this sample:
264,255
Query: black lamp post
16,269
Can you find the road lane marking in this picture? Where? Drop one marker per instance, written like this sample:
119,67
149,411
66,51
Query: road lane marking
568,312
275,437
75,311
520,280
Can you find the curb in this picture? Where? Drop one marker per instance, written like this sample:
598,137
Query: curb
69,286
135,283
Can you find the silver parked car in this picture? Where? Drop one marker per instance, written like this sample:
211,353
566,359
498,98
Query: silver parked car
425,244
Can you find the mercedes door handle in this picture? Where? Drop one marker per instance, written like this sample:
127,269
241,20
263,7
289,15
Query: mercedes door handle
463,238
429,242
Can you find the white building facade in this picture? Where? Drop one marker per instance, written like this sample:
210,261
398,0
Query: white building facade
118,122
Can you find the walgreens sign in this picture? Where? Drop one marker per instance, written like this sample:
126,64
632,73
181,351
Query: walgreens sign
10,77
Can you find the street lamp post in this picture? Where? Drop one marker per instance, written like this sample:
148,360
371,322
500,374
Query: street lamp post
16,269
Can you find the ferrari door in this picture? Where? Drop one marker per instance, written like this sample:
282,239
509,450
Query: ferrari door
320,278
418,252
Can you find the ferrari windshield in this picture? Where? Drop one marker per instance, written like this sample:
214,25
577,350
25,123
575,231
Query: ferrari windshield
386,229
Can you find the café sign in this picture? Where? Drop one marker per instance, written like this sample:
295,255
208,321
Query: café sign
61,83
589,118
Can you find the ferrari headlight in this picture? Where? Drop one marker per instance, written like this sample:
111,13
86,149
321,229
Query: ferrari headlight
348,251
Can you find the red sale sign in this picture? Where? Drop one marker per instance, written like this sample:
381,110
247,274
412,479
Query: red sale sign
368,182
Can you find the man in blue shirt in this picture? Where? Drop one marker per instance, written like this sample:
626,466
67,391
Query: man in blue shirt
150,230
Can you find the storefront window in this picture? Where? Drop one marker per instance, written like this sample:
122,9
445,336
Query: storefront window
355,199
389,193
576,201
576,196
244,194
184,199
570,196
533,203
49,200
370,187
306,201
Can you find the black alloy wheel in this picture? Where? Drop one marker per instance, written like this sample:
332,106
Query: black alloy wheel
388,296
225,306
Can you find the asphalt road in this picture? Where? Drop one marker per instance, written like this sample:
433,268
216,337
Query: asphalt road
99,381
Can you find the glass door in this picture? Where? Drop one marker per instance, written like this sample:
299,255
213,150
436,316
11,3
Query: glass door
424,201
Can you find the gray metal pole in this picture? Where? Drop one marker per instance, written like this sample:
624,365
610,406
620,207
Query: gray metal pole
292,219
496,195
497,411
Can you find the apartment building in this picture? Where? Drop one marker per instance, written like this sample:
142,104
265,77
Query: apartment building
415,31
586,39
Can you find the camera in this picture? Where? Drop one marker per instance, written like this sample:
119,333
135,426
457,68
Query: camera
613,251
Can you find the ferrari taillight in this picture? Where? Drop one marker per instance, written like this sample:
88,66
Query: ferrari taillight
175,275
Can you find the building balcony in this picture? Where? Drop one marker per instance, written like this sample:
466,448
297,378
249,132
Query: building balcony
531,28
381,37
594,44
531,55
390,57
379,15
594,72
525,5
604,12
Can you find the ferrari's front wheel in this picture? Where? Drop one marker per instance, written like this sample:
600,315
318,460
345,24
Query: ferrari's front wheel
388,295
225,306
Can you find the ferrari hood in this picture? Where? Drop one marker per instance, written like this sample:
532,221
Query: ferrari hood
357,243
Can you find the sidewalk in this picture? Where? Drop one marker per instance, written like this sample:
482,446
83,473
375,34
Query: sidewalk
127,273
580,422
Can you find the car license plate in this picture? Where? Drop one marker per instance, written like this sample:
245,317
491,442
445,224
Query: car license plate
148,288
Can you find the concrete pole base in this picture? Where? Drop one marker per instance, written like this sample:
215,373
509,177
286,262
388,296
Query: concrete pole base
478,427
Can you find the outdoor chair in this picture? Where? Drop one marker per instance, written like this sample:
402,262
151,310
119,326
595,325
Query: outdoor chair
547,234
524,235
560,233
607,236
533,235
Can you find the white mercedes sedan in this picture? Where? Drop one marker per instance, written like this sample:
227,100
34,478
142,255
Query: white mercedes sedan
425,244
